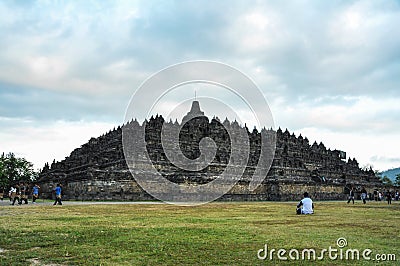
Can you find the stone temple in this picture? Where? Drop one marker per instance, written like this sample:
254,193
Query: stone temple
98,169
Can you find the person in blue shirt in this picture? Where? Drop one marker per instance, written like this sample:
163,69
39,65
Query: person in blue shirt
35,193
58,194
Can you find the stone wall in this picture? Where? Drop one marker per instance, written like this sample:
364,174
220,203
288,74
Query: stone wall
98,170
104,185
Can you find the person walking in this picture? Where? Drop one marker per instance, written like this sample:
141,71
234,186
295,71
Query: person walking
351,196
364,195
24,193
12,193
389,197
16,194
376,195
2,193
35,193
58,194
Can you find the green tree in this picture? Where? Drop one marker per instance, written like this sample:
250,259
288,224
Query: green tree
387,181
397,180
3,177
378,174
14,169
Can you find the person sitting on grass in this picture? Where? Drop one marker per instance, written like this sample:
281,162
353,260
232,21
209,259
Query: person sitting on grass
306,205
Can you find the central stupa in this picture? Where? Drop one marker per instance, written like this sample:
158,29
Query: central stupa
98,171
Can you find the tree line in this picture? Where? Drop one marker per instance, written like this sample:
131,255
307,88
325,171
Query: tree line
387,181
14,169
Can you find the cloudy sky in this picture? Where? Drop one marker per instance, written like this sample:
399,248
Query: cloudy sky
329,70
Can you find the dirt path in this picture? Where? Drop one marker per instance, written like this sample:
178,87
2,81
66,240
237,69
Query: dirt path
6,202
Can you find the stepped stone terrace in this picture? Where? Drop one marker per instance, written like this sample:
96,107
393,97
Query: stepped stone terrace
98,169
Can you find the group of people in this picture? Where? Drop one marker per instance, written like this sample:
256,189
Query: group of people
364,195
377,195
306,205
19,193
388,195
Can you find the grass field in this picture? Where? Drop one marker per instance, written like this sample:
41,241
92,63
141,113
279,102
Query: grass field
212,234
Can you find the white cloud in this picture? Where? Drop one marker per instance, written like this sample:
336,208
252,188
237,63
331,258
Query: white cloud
328,66
348,114
368,149
43,143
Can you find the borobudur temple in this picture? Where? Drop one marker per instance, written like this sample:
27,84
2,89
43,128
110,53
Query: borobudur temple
98,169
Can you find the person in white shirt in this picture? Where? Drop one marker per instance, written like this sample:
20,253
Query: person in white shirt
306,205
13,193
